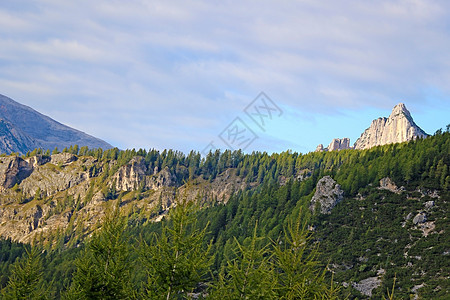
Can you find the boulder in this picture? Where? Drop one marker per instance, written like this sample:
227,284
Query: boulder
420,218
328,194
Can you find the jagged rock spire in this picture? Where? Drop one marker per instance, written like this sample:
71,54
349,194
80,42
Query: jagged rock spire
398,128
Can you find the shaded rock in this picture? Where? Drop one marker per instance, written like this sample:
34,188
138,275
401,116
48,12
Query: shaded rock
328,194
13,170
387,184
12,139
366,286
38,160
162,179
63,158
420,218
319,148
24,129
429,204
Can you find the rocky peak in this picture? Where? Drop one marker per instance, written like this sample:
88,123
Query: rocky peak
400,109
335,145
398,128
319,148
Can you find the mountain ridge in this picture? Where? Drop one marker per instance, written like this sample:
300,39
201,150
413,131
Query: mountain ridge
27,129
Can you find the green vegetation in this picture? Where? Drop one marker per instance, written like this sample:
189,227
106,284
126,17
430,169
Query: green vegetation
262,242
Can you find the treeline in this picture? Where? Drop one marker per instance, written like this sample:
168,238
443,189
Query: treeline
422,160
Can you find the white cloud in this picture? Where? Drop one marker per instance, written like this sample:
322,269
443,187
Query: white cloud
195,64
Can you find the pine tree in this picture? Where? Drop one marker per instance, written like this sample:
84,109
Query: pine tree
176,260
249,275
296,266
26,280
103,271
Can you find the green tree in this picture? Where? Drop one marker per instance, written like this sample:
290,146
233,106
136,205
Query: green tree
104,270
249,275
176,260
296,266
26,280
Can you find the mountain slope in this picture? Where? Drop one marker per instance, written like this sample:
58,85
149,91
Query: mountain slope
28,129
13,139
398,128
389,219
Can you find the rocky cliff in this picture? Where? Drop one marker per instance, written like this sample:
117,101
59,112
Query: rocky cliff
397,128
23,129
42,195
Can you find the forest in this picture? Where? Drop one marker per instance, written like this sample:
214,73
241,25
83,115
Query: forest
263,242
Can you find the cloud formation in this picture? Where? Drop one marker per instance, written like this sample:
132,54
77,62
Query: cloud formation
173,74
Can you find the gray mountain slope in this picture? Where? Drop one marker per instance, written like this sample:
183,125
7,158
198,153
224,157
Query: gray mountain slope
27,129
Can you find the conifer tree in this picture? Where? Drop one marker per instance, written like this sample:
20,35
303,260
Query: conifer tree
176,260
249,275
103,271
296,266
26,280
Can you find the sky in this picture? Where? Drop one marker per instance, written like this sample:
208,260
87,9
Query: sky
199,75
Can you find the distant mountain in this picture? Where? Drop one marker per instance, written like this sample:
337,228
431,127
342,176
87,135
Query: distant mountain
398,128
23,129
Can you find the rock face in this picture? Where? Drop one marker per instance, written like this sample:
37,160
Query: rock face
335,145
328,194
23,129
319,148
134,175
13,170
130,176
339,144
398,128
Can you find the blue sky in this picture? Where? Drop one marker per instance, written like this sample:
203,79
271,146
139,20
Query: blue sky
176,74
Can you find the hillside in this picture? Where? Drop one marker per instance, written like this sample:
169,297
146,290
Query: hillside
23,129
386,217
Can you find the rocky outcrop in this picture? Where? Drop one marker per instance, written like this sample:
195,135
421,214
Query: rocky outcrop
63,158
339,144
13,170
335,145
366,286
420,218
398,128
130,176
134,175
387,184
328,194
